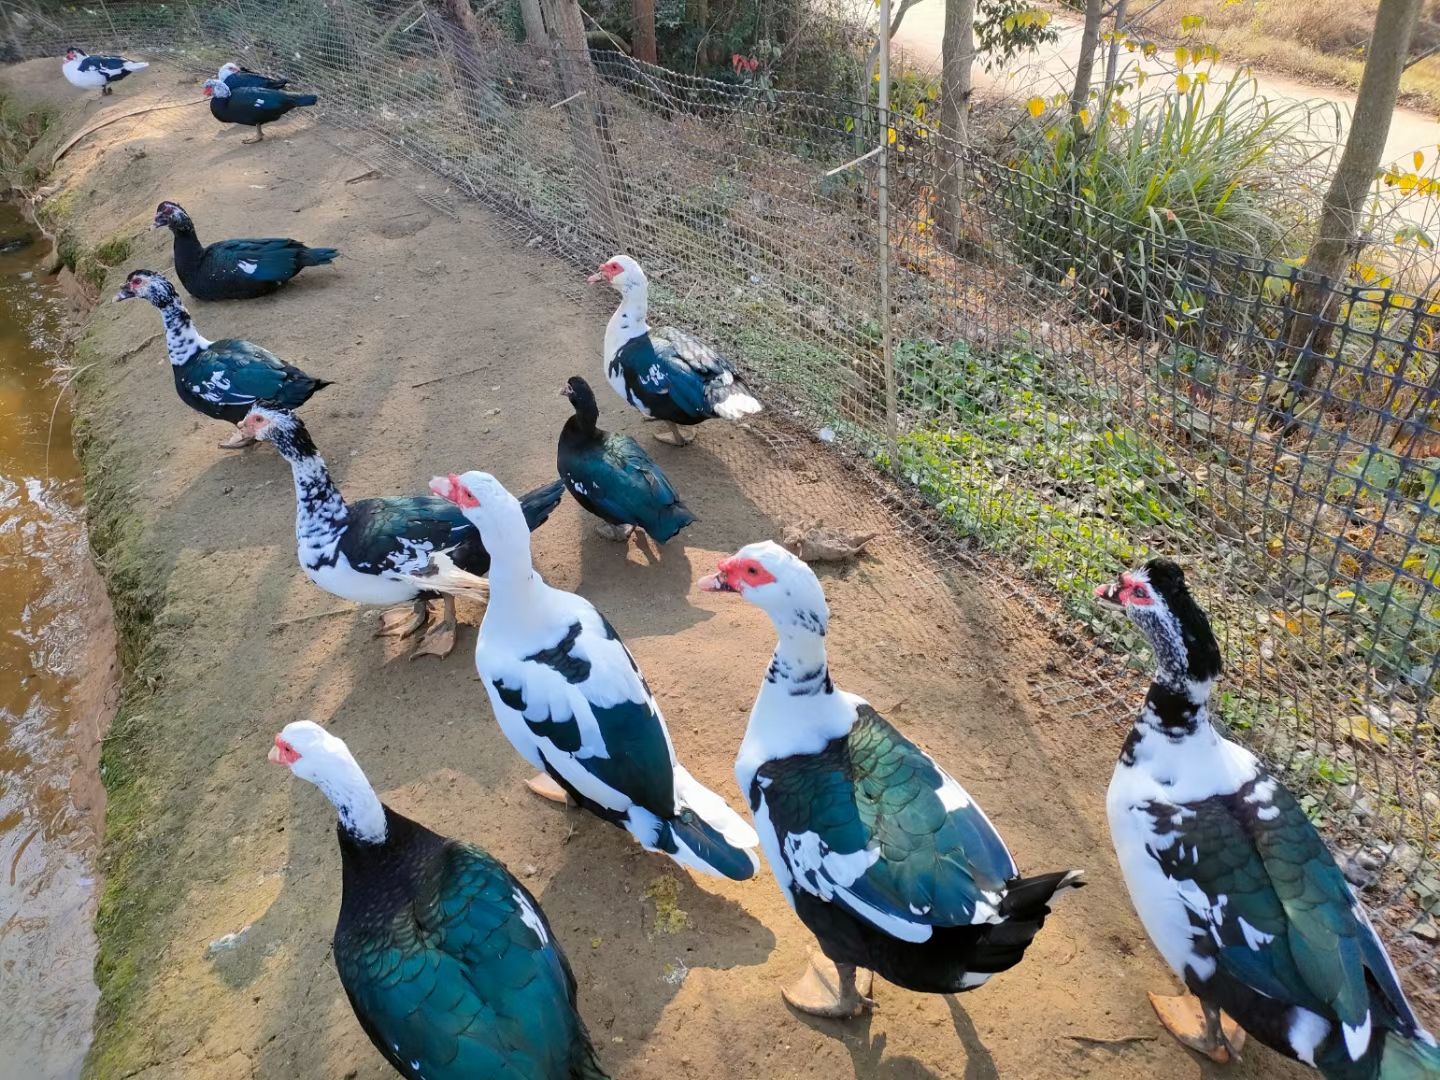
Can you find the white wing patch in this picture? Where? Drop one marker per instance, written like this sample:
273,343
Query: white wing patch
1306,1032
249,266
531,917
952,796
214,388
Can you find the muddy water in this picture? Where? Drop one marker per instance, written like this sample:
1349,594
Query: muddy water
54,667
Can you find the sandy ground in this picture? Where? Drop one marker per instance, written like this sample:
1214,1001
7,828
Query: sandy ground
448,341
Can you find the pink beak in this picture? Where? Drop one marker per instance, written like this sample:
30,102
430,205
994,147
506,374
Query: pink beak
595,278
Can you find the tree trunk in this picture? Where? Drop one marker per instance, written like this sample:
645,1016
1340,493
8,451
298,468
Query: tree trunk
1085,66
643,12
534,22
957,59
1316,293
589,122
1112,55
462,43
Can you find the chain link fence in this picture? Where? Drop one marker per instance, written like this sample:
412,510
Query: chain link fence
1071,393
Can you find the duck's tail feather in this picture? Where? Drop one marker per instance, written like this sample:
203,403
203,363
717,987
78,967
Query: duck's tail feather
136,65
441,575
1409,1058
1029,898
313,256
539,504
304,99
706,834
669,521
730,399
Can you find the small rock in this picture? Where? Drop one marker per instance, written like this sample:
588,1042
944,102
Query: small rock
826,435
1430,804
1426,930
226,943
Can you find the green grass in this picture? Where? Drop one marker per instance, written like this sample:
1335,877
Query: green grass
1014,451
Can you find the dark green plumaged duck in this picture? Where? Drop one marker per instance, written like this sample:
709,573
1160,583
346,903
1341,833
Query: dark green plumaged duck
449,963
612,478
234,269
223,379
1234,884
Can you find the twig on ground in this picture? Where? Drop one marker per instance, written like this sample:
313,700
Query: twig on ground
442,378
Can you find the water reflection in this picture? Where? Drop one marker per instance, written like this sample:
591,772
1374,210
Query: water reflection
48,711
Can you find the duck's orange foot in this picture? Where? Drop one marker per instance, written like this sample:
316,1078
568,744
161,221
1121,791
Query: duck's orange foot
1203,1028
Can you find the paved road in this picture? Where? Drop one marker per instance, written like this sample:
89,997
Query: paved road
1050,69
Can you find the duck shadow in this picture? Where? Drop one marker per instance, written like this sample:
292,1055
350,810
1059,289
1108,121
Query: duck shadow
867,1049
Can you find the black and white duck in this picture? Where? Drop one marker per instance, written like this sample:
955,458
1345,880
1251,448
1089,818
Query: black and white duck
666,374
1233,883
449,963
234,269
882,854
238,78
98,72
571,699
222,379
252,106
612,478
365,551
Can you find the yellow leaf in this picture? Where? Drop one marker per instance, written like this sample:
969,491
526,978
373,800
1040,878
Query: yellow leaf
1360,729
1345,594
1085,117
1036,106
1182,56
1419,159
892,136
1201,78
1182,83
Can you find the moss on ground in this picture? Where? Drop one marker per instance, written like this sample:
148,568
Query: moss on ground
135,580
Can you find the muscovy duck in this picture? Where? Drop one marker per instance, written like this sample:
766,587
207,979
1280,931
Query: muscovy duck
449,963
97,72
238,78
363,551
221,379
570,697
252,106
612,478
668,375
1233,883
234,269
884,856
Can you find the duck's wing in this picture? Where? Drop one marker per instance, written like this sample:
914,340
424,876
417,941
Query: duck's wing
398,535
257,375
269,259
873,824
587,709
1267,910
468,981
651,366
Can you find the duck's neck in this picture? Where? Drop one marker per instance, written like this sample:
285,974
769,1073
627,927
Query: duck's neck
583,426
320,511
188,249
1176,710
182,340
361,813
798,668
513,582
628,321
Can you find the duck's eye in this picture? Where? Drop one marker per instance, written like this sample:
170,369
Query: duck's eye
752,571
1140,592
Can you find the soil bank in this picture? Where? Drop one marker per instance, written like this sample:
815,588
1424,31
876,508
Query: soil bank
448,342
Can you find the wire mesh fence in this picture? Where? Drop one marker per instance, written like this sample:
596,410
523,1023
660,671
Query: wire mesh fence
1073,392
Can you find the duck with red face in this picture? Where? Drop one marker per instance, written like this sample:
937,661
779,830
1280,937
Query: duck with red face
665,374
1233,883
882,854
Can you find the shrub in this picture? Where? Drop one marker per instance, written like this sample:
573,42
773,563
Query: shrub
1119,198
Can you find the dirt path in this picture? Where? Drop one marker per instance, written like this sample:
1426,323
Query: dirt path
448,342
